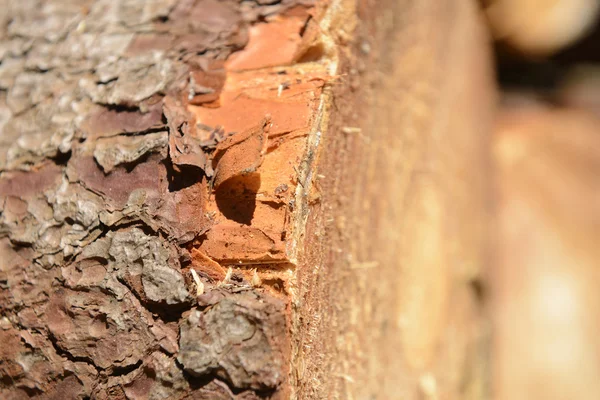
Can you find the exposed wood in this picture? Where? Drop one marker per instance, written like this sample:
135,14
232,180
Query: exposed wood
387,302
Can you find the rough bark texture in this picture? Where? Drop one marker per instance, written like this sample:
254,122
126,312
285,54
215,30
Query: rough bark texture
206,199
114,248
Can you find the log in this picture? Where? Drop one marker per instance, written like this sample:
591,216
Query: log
545,270
389,289
242,200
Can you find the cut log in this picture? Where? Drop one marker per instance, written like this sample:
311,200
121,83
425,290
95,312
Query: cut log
387,294
240,200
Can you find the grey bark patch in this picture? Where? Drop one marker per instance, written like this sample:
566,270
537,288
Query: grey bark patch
129,81
163,284
36,134
237,339
122,149
138,254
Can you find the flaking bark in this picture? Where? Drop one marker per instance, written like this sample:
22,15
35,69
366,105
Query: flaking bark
103,186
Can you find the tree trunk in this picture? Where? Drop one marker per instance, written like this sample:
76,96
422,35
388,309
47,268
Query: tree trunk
213,199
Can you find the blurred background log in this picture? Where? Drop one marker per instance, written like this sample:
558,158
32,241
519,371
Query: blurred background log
544,275
538,28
